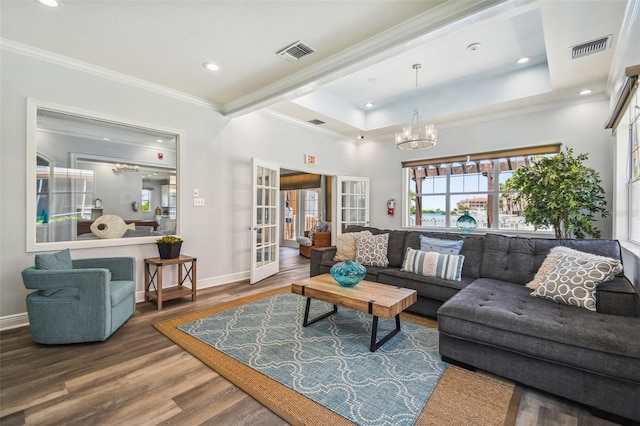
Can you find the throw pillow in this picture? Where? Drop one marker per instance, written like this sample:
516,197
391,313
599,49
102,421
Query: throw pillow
574,277
304,241
371,250
549,262
313,230
440,246
54,261
433,264
346,245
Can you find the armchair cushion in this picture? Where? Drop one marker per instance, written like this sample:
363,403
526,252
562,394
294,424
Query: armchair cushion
54,261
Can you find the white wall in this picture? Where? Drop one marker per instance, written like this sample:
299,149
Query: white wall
216,158
580,127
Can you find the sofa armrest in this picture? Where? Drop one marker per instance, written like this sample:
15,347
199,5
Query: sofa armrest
322,239
92,285
319,255
618,297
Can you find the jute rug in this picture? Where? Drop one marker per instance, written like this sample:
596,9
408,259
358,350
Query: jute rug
460,396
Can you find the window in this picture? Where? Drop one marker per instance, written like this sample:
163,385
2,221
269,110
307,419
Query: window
439,191
146,200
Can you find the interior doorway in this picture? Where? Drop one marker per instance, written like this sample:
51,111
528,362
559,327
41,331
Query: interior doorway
305,200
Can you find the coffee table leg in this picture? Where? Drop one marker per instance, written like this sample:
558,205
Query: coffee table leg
306,321
374,333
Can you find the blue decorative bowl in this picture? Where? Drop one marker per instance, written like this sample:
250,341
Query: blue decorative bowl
348,273
466,222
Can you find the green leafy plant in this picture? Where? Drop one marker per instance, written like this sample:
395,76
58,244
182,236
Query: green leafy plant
562,193
169,239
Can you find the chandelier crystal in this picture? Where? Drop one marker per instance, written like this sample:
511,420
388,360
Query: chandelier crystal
416,136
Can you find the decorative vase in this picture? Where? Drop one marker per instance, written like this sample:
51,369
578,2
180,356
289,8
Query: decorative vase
169,251
466,222
348,273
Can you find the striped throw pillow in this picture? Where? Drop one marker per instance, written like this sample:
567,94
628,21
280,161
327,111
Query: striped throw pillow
432,264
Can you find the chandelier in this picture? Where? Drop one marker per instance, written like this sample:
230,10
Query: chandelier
424,137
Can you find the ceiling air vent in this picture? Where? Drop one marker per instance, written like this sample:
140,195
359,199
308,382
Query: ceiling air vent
296,51
316,122
590,47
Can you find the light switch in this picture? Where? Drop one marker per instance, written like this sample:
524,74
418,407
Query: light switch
198,202
196,192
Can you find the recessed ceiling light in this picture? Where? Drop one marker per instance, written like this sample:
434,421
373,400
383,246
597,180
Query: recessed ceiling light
50,3
159,140
523,60
369,104
473,46
585,92
211,66
105,139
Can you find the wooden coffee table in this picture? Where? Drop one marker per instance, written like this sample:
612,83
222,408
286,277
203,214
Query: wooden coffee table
379,300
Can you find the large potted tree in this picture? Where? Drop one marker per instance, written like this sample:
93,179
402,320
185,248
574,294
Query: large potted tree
562,193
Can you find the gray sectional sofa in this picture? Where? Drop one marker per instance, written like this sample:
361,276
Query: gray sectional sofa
488,320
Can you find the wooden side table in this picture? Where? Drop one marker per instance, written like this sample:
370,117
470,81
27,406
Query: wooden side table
186,269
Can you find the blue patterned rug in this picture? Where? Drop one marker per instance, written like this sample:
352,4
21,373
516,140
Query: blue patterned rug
329,361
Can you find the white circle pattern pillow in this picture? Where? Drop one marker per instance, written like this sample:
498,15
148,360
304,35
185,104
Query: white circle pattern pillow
573,277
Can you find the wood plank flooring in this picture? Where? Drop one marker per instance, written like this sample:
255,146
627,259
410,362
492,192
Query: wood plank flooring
139,377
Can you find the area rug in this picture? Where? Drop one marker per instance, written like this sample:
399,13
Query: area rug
325,373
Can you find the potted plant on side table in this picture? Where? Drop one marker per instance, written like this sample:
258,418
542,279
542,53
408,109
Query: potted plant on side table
169,246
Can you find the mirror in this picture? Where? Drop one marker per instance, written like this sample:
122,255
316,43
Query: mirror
98,180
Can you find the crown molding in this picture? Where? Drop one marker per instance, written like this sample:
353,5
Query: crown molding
64,61
617,76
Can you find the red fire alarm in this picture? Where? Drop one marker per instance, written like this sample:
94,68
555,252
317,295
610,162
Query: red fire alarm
160,156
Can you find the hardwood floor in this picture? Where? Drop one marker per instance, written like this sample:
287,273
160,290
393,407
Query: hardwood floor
139,377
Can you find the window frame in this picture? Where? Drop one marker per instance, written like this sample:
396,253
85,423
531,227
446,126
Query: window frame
447,163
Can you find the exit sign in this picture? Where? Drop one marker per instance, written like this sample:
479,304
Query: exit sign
310,159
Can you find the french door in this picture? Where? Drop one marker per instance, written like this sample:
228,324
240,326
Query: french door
265,220
352,202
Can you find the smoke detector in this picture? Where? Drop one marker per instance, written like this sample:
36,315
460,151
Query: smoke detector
296,51
590,47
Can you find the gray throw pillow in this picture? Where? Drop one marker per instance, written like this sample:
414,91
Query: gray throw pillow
54,261
573,277
372,250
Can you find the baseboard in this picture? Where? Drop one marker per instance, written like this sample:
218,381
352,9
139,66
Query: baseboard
208,282
14,321
21,320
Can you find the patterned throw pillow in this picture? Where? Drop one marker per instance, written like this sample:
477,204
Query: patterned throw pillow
346,245
372,250
433,264
574,277
440,246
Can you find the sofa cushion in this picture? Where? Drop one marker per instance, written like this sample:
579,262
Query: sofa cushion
440,245
574,275
120,290
395,250
346,245
371,250
431,287
54,261
433,264
516,259
472,248
503,315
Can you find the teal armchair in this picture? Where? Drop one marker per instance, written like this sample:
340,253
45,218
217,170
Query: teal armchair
85,303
